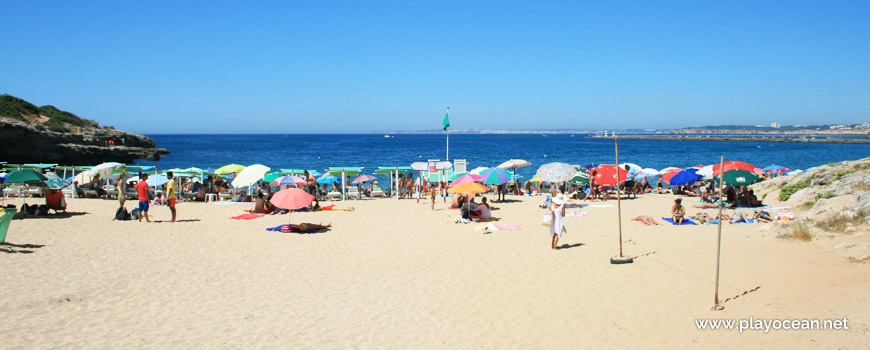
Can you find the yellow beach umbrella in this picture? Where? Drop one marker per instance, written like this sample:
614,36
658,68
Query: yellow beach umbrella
536,179
230,168
468,187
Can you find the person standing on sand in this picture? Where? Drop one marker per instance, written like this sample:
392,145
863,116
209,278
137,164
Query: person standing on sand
558,226
122,188
170,193
142,190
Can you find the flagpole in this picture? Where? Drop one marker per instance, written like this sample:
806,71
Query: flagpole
448,135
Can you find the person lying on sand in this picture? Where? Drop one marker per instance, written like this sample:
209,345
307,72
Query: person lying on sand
737,218
762,215
308,227
703,218
646,220
677,211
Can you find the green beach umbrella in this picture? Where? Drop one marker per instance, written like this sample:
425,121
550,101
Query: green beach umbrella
739,178
229,168
580,177
25,176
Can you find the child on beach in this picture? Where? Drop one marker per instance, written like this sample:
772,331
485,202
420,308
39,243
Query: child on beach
677,211
557,228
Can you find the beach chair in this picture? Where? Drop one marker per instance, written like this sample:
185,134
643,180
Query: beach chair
225,196
35,192
353,191
55,201
377,192
189,196
12,191
333,196
68,191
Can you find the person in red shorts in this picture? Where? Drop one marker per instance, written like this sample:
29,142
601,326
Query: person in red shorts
170,193
142,189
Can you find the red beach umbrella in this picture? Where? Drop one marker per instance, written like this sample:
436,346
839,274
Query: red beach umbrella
666,176
605,174
733,165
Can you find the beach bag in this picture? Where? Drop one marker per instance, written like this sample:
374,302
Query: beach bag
122,214
547,220
150,195
134,215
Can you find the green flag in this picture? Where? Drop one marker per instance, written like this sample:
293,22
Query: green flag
446,120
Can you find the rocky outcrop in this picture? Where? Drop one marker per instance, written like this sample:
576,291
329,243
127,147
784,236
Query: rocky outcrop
25,143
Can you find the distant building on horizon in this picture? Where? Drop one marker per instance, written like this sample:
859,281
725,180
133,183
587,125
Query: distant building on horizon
774,125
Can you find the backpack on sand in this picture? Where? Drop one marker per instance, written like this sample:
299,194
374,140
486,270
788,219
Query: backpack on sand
122,214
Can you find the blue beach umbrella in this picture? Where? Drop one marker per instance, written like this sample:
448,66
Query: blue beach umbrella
590,166
773,167
685,177
157,180
328,179
54,181
495,176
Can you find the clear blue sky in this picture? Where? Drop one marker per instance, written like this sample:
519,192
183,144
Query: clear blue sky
332,66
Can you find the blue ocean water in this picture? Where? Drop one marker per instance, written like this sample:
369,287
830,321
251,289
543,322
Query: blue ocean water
370,151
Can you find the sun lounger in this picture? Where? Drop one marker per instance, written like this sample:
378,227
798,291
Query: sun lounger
225,195
12,191
189,195
333,196
377,192
35,192
111,194
90,193
353,191
68,191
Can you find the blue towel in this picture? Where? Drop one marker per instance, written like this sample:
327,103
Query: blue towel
686,221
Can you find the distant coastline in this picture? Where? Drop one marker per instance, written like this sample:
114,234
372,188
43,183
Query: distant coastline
792,138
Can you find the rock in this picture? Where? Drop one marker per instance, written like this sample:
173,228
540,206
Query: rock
826,207
804,195
24,143
848,214
851,229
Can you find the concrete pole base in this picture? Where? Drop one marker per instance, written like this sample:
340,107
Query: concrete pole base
616,260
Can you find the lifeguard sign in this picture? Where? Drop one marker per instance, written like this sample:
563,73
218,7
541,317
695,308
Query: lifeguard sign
435,165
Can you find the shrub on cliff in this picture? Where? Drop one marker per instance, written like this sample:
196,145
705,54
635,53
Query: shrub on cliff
15,108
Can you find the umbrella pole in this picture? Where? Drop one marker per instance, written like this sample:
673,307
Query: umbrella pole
619,259
716,305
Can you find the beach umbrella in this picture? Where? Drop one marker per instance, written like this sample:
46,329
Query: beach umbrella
82,178
2,177
291,199
156,180
605,174
478,170
496,176
363,178
328,179
667,175
513,164
25,176
467,178
684,177
581,177
229,169
287,180
105,169
590,166
536,179
54,181
706,171
739,178
556,172
633,169
663,171
468,187
249,175
733,165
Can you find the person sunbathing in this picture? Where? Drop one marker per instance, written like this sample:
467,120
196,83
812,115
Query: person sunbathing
309,228
736,218
261,205
703,218
646,220
677,211
762,215
483,210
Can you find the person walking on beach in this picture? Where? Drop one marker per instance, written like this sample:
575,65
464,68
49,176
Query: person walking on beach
170,193
558,226
142,190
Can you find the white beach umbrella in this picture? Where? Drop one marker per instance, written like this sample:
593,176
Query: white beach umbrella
650,171
250,175
631,167
82,178
105,169
513,164
668,169
706,172
478,170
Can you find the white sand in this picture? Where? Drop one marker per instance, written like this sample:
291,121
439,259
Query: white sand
394,274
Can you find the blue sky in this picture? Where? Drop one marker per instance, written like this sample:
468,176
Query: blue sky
332,66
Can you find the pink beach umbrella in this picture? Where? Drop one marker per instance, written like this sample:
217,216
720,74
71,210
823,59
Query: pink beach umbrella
291,199
467,178
288,180
363,178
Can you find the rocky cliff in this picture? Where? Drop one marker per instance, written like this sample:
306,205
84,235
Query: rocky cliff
31,134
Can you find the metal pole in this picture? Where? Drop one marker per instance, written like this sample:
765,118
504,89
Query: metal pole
448,137
343,186
618,196
716,305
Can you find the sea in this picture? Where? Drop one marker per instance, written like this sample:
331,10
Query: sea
320,151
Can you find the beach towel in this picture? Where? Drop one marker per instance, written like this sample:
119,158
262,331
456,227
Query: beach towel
774,209
498,227
576,213
575,206
600,206
686,221
247,216
785,216
748,221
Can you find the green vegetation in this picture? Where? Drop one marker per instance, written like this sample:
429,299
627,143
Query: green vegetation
787,190
839,223
58,120
799,231
825,195
15,108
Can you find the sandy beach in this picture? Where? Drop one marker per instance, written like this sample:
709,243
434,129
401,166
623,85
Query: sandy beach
395,274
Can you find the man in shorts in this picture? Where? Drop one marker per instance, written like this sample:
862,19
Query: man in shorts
142,190
170,193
